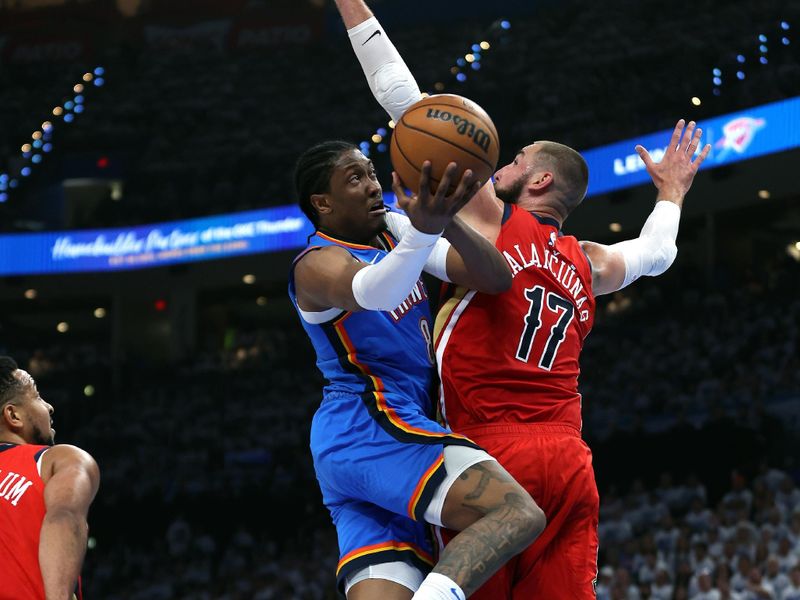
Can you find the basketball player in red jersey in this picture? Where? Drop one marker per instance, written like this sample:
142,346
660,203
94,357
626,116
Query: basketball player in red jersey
509,363
45,493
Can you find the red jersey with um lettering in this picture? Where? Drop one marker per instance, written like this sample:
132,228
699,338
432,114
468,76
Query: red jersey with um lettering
513,357
22,511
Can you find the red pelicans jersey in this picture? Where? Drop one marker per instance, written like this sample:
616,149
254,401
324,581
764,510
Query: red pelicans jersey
513,357
21,515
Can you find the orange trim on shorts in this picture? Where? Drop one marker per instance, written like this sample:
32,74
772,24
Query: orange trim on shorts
423,481
381,547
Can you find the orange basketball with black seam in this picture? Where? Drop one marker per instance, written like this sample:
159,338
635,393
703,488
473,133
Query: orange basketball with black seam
444,128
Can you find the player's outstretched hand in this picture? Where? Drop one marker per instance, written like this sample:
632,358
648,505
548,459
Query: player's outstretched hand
673,176
431,213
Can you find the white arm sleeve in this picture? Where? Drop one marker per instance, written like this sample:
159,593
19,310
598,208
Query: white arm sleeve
654,250
385,285
392,84
436,264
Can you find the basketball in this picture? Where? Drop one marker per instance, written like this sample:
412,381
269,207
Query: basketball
442,129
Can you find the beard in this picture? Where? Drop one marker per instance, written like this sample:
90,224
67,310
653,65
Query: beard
42,439
511,194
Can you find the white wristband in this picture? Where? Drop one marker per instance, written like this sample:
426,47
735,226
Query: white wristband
390,80
654,251
385,285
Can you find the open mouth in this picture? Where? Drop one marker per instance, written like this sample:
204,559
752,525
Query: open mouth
378,208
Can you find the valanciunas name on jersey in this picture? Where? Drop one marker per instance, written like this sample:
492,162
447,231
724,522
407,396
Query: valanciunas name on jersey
565,273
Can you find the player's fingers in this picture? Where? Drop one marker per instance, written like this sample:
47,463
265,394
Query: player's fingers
686,139
397,186
699,160
676,134
399,191
460,196
446,181
425,179
644,155
695,143
474,189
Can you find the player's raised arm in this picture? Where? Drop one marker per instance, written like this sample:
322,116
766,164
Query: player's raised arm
618,265
395,89
71,480
392,84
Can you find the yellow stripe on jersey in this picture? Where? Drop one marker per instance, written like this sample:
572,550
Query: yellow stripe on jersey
445,312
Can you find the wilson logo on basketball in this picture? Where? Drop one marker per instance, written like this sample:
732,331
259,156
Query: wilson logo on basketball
463,126
444,128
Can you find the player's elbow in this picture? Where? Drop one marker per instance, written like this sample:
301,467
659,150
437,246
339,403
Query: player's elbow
385,303
395,89
664,258
500,282
67,519
372,292
531,522
537,522
497,281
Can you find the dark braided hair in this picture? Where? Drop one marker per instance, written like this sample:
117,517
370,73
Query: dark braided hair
312,173
10,386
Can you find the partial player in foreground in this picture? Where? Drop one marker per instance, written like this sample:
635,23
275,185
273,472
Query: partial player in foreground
509,363
45,494
384,466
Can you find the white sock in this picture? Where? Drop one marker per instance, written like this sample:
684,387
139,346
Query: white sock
438,587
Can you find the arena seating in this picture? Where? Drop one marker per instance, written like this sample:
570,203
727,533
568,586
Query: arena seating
195,129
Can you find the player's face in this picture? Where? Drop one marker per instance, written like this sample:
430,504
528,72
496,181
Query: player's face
357,209
38,413
509,182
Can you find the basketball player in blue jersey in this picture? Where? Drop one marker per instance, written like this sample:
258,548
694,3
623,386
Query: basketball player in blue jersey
385,467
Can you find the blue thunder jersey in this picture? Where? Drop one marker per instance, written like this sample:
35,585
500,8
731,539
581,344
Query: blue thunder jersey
380,354
378,454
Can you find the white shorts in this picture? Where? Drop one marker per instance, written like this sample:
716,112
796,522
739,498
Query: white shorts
397,571
457,459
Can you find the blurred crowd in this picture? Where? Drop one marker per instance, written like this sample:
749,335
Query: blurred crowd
208,490
194,128
671,542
